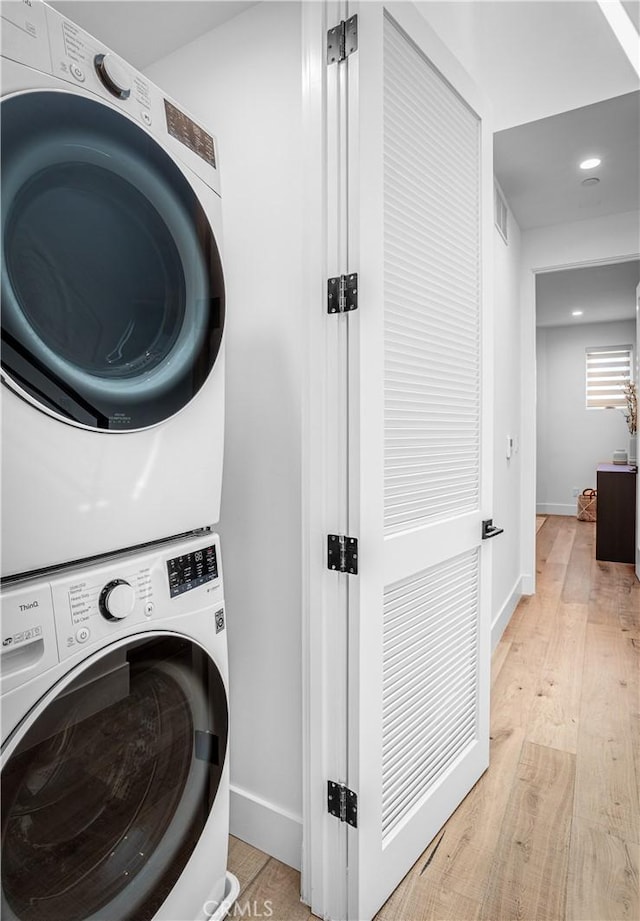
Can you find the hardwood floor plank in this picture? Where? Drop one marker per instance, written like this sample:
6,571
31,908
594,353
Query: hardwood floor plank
274,894
245,861
603,876
577,586
529,871
500,653
603,597
515,686
606,789
545,538
414,902
555,707
563,544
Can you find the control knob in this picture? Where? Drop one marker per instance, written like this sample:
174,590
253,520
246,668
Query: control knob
113,75
117,600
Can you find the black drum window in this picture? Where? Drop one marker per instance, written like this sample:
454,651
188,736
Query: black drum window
106,796
112,285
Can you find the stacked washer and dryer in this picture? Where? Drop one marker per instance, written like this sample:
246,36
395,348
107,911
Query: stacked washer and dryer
114,682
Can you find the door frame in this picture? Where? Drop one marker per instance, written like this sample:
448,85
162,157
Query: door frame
323,471
324,883
529,382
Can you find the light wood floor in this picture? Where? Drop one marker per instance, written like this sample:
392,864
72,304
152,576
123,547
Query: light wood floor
551,831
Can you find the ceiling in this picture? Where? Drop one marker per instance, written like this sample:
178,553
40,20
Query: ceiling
143,31
537,164
534,58
604,293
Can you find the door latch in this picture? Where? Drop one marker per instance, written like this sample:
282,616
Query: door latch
490,530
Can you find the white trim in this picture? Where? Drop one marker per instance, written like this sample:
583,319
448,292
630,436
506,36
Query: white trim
314,229
266,826
501,620
556,508
324,620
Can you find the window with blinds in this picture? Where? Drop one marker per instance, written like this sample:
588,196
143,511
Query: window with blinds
608,369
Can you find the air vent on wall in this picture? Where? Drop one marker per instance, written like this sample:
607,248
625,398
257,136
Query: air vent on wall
500,214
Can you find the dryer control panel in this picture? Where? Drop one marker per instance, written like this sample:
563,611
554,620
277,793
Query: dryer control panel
47,621
38,36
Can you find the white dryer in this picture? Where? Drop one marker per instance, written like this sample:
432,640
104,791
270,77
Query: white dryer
113,302
115,772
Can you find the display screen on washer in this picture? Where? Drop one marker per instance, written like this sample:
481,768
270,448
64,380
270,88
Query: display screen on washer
191,570
112,285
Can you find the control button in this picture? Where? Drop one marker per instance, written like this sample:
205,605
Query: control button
117,600
113,75
148,609
146,118
77,73
83,634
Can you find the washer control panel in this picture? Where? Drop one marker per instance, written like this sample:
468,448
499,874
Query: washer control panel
46,621
190,570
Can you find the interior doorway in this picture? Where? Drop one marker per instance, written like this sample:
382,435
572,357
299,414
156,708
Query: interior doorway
585,338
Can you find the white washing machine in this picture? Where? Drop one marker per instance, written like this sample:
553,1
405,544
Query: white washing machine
113,302
115,773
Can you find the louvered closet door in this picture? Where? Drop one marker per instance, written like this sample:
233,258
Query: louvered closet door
419,430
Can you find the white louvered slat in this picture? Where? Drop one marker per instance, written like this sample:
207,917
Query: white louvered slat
432,329
430,680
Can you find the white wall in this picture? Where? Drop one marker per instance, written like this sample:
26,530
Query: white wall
607,239
573,440
243,80
507,582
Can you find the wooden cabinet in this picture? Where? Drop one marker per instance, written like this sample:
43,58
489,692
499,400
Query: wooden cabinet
616,524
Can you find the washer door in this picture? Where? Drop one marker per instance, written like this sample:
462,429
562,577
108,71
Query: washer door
112,285
107,793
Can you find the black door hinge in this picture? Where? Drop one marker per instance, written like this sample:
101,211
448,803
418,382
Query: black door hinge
342,803
342,553
342,293
342,40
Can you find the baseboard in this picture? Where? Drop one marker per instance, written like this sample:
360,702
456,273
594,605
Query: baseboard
266,826
504,615
555,508
528,584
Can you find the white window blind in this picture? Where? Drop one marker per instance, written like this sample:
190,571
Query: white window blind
608,368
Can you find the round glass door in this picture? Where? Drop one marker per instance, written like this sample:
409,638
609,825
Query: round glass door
108,792
112,285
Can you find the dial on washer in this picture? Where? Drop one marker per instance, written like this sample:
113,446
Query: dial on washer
117,600
113,75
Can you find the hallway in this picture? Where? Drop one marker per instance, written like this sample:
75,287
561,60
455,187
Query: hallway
551,831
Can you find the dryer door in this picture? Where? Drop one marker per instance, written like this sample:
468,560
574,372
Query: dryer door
107,792
112,285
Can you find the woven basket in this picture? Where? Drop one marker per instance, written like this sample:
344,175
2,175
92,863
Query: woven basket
587,505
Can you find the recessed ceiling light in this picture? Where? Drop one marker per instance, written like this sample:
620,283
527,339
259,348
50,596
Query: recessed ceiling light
591,163
592,180
576,313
